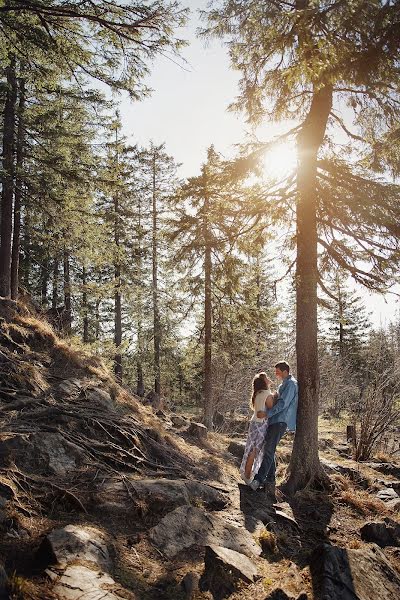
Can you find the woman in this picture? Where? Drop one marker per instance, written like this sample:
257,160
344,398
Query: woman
261,399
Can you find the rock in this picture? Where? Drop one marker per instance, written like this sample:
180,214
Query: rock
224,568
353,574
279,594
97,395
387,494
46,452
197,430
69,387
325,443
237,449
386,468
72,542
386,533
218,419
79,583
71,545
190,584
157,496
393,505
342,450
188,526
353,474
178,421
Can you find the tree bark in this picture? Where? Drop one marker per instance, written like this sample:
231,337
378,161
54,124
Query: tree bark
7,180
54,295
18,194
85,336
67,320
117,279
156,313
305,468
139,304
208,408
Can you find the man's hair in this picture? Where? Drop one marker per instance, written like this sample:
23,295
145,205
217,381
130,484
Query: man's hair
282,366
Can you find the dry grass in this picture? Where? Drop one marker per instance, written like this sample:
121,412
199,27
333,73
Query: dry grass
267,541
362,502
383,457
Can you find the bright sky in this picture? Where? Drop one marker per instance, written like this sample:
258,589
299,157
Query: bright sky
188,111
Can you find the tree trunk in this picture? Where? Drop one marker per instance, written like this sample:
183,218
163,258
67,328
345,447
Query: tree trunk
26,249
18,194
44,280
54,295
117,279
97,321
85,336
7,180
208,408
156,314
139,305
305,468
67,320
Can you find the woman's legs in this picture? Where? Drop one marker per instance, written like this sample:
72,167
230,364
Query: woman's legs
249,463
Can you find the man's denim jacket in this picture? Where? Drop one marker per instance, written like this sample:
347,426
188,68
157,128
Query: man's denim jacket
285,410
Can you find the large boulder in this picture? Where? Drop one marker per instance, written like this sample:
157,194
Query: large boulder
197,430
386,468
74,542
384,533
45,452
157,496
224,569
353,574
189,526
79,564
79,582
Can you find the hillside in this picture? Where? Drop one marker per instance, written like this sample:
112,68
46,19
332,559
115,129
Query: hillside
101,498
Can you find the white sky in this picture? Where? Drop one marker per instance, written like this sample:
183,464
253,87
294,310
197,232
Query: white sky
188,111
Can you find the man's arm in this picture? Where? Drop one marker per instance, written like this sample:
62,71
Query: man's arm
284,400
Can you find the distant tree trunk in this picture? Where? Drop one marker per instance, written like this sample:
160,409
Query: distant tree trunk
85,336
26,249
305,468
18,194
341,328
138,260
156,313
97,321
208,408
117,280
55,282
7,179
44,280
67,321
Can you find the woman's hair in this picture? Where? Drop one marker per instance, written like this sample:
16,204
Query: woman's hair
260,382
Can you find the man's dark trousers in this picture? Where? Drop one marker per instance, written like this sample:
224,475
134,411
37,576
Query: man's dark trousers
266,472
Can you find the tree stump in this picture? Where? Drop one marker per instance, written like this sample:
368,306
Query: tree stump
197,430
351,434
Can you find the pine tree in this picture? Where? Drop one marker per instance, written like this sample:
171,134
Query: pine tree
295,58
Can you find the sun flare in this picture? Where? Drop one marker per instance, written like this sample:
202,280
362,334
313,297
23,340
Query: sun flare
280,161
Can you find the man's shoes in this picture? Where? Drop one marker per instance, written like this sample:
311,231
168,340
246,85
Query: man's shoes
254,485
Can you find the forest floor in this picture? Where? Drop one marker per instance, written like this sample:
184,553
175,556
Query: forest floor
78,450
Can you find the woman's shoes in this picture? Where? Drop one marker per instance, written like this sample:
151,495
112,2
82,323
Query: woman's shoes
245,479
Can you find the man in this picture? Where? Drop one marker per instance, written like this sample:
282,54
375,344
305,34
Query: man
281,417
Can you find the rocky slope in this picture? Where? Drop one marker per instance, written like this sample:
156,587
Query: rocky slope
102,499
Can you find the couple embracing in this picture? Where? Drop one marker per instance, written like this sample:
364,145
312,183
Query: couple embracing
273,414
